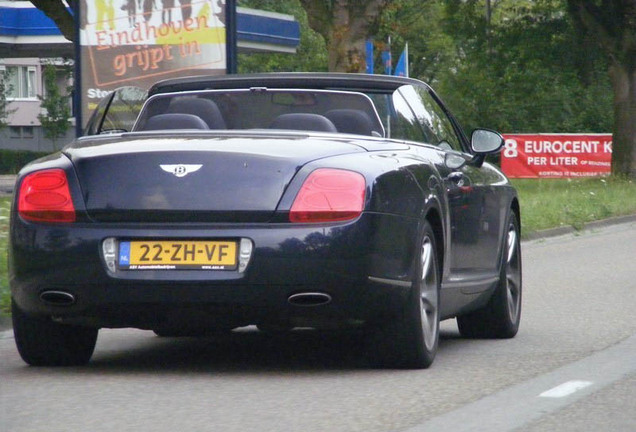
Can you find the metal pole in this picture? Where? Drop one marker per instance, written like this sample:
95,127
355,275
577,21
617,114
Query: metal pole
77,72
230,36
406,60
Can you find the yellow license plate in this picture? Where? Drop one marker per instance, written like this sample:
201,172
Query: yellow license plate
177,255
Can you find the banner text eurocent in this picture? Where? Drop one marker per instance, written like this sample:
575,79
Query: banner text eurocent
556,155
532,146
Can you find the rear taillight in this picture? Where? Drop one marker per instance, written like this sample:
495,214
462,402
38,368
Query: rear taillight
329,195
45,197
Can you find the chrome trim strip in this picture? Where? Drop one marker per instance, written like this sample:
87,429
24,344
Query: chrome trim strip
403,284
316,299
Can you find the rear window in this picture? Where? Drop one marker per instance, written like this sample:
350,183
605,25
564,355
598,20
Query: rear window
313,110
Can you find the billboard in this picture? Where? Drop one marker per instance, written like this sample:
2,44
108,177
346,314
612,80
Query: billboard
557,155
139,42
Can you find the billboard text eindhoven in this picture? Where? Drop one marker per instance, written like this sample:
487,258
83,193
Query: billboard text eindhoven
138,42
557,155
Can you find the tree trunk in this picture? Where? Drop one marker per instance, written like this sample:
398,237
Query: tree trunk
613,24
345,25
346,47
623,79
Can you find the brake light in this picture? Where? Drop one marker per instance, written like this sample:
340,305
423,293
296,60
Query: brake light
329,195
45,197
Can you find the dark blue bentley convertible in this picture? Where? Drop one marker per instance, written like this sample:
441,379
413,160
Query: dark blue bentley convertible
281,201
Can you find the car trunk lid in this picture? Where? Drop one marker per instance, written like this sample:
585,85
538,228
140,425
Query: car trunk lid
163,179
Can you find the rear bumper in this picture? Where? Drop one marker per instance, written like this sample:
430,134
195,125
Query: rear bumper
337,260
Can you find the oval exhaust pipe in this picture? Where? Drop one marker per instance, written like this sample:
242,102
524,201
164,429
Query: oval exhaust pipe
57,298
309,299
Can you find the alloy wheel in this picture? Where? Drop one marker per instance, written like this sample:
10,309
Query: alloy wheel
429,295
513,274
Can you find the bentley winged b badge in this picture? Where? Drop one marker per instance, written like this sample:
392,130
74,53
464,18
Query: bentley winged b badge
181,170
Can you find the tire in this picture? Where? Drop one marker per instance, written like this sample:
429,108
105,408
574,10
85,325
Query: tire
501,316
411,341
43,342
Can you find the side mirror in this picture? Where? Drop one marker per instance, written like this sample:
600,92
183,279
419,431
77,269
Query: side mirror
484,141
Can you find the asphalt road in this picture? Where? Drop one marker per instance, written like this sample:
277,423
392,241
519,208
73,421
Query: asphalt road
572,367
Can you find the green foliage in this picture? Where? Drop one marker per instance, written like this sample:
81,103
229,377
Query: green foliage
56,119
11,161
527,69
611,25
419,23
311,54
526,78
5,89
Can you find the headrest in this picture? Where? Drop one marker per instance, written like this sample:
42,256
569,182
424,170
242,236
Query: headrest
174,121
303,122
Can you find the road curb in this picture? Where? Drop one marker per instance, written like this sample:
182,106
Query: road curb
556,232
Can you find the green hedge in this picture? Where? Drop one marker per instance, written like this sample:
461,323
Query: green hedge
12,160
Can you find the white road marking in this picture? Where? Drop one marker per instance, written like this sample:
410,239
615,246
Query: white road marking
518,405
566,389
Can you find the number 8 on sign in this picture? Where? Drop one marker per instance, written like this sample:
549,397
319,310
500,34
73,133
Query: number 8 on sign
510,149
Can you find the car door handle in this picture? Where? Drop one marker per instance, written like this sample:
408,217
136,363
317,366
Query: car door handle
457,178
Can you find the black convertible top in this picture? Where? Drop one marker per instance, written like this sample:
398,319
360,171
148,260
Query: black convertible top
342,81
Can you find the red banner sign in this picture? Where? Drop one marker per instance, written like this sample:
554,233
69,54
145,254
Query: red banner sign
557,155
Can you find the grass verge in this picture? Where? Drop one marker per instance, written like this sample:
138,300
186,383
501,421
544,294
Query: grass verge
544,204
547,203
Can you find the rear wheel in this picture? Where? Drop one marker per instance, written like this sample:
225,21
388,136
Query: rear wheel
43,342
411,340
501,316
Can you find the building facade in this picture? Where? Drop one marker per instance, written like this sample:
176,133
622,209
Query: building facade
29,41
25,86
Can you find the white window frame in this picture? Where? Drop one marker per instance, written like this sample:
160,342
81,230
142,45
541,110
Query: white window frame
30,85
